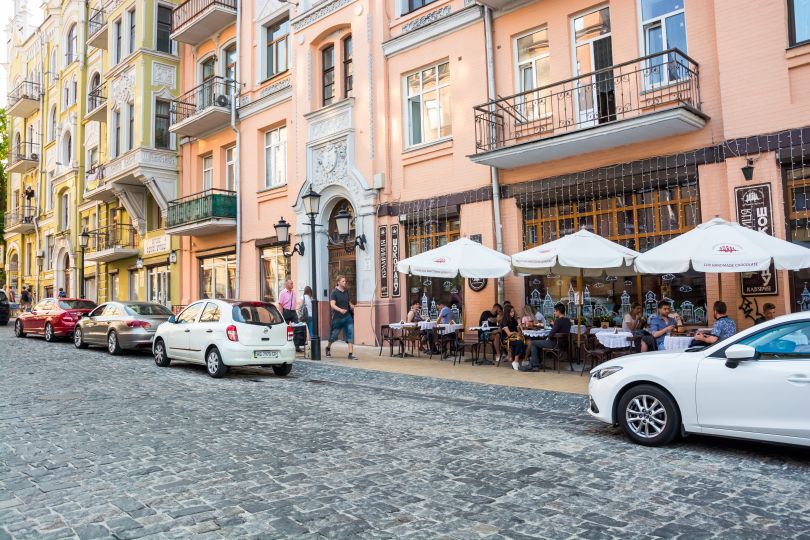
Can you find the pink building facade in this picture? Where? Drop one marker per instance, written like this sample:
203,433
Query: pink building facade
511,122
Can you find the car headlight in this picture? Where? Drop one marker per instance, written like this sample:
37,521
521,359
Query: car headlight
605,372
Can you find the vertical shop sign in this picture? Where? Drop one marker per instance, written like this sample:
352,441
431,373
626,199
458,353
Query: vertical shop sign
754,212
394,260
384,261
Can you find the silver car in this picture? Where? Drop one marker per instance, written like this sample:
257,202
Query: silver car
120,325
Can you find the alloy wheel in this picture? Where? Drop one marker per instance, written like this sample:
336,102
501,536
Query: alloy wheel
212,361
112,343
646,416
77,337
48,332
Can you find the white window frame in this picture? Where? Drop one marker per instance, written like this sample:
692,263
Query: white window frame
132,23
130,124
115,133
72,44
118,45
533,61
273,151
660,21
407,101
64,211
230,168
208,172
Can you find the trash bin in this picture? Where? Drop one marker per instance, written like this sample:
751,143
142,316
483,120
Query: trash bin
300,335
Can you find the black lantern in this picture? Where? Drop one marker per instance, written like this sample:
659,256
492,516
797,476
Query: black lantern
343,220
283,236
748,170
312,202
84,240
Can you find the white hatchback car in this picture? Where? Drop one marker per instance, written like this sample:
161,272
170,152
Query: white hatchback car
225,333
753,385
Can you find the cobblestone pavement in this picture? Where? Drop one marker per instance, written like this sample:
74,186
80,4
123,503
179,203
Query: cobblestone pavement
99,446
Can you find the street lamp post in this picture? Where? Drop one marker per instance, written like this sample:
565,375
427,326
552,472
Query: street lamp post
40,262
84,239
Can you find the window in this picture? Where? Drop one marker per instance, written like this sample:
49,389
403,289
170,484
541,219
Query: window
29,248
274,271
218,277
162,135
131,41
533,71
211,313
348,67
163,42
275,157
189,315
92,157
94,98
52,124
413,5
208,172
115,143
74,90
663,27
64,212
117,45
230,168
114,283
428,105
784,341
48,252
328,74
71,50
799,21
277,50
230,69
208,87
130,126
53,67
133,285
67,150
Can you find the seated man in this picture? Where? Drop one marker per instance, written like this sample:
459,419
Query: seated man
562,327
723,327
768,313
659,326
445,315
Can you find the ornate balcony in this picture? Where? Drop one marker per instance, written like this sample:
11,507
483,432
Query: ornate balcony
95,186
112,243
194,21
23,157
97,104
208,212
97,29
645,99
204,108
20,220
23,100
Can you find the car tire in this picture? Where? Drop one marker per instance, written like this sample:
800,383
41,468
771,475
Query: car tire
161,356
213,363
113,345
49,335
18,329
282,370
78,338
649,415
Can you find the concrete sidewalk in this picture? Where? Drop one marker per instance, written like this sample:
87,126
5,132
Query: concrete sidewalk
565,381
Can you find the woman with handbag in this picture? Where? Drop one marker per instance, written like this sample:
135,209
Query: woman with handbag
515,341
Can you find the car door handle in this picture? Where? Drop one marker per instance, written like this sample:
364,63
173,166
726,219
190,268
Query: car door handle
800,379
209,331
186,331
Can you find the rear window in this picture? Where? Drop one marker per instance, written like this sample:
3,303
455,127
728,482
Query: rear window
3,296
148,310
76,304
257,313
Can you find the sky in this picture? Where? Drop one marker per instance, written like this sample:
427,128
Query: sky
6,11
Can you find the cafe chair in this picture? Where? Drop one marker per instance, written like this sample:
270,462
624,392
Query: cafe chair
593,351
412,338
390,336
560,353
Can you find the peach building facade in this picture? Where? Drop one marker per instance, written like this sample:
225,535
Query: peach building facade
509,121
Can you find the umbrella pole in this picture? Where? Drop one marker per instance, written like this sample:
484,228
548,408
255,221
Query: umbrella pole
579,315
720,286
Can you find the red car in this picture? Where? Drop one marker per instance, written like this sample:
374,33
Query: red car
53,317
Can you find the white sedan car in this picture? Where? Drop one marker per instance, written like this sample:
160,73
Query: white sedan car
225,333
753,385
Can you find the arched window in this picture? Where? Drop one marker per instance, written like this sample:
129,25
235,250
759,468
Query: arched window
52,124
17,145
53,67
71,48
94,96
67,150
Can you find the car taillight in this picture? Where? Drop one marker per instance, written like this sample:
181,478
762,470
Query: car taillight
289,333
68,317
138,324
233,335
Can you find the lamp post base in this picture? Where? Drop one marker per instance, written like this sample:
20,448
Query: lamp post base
315,347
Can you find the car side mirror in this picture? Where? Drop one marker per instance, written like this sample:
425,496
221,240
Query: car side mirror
172,319
738,353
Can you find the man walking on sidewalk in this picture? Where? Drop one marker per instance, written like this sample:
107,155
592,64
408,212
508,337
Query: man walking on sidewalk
342,317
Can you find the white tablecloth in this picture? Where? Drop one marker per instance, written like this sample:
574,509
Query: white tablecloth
427,325
449,328
584,329
677,343
614,341
536,334
400,326
599,330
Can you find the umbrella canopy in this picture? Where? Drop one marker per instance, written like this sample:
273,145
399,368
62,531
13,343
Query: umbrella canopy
723,246
461,257
581,253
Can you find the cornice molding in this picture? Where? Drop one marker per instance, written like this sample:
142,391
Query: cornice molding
433,26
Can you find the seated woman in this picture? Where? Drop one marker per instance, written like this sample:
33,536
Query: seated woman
528,321
633,321
514,337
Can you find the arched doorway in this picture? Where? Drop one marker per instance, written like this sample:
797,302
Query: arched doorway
342,263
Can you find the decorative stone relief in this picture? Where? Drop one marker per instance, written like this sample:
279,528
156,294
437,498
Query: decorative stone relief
122,87
331,167
318,14
331,125
164,75
425,20
275,87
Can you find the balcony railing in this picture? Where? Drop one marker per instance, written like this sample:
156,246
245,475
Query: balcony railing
650,84
25,92
208,204
96,21
96,98
23,152
215,92
112,237
94,177
187,12
22,215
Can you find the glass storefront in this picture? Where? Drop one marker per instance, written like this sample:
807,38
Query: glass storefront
157,285
275,269
798,198
218,277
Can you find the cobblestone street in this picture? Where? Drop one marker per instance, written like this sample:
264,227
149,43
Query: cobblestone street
99,446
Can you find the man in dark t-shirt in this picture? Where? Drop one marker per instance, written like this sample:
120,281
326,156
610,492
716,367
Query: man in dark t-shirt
562,327
342,317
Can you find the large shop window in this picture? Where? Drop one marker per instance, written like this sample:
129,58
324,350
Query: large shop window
218,277
798,189
429,291
639,215
428,106
275,271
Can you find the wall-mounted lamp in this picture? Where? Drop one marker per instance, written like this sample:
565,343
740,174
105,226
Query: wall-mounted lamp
172,257
283,235
748,170
343,220
138,263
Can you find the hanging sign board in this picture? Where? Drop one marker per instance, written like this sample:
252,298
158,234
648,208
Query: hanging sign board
395,291
384,261
477,284
754,212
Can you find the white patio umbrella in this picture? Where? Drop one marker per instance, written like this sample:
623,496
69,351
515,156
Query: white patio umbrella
462,257
581,254
722,246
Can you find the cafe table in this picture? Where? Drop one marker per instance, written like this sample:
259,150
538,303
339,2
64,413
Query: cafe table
677,343
614,340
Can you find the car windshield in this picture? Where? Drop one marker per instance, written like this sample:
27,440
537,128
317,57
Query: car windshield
148,310
257,313
76,304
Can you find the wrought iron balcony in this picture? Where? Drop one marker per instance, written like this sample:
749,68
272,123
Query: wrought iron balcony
20,220
203,108
97,104
23,157
208,212
194,21
112,243
23,100
648,98
97,29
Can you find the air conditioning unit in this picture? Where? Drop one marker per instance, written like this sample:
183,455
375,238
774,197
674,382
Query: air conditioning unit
34,157
222,101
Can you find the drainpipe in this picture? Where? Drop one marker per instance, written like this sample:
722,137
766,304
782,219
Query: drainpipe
237,149
493,171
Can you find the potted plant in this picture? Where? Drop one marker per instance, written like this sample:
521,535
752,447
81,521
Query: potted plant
606,321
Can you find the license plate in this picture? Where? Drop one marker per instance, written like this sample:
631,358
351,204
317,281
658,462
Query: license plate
265,354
